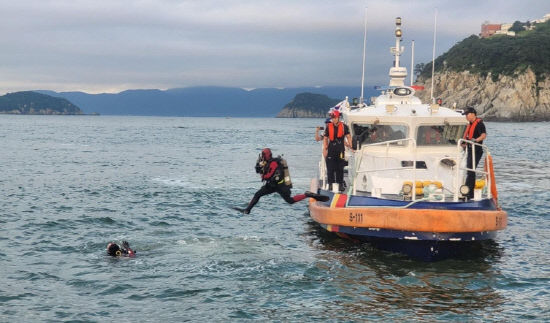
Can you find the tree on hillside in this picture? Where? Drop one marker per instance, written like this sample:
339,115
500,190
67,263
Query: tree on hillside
517,26
418,69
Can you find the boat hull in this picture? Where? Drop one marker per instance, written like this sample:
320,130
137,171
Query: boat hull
425,250
429,231
407,219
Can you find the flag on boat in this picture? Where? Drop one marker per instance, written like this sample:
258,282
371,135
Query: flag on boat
339,107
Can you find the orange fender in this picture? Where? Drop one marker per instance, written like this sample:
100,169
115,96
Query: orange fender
494,192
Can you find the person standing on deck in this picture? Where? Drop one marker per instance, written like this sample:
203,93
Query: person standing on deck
336,138
475,131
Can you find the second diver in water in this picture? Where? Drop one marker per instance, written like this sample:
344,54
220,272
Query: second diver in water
124,250
274,172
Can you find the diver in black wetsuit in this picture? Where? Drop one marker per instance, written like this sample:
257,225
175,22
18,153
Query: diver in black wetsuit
124,250
272,172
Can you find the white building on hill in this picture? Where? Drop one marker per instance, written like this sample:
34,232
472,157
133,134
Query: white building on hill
544,19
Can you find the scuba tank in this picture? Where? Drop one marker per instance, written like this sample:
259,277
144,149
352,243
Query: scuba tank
283,171
281,176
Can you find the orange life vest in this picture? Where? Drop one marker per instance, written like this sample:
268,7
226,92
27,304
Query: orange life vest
469,133
340,133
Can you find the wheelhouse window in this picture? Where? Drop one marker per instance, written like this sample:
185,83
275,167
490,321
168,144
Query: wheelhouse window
439,135
366,134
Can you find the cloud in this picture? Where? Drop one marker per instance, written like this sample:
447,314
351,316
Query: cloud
98,46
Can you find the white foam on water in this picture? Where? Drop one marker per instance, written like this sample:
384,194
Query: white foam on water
172,181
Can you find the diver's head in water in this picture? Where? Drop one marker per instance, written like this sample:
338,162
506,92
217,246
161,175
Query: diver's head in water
115,250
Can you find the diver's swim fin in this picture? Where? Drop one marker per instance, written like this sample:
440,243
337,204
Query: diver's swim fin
318,197
243,211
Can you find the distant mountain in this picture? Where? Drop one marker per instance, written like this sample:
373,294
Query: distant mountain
28,102
308,105
206,101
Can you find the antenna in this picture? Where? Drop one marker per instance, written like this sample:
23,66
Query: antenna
364,50
412,62
433,56
398,74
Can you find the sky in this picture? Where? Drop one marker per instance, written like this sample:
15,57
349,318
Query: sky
108,46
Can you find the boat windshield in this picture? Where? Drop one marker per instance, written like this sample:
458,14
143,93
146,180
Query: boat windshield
365,134
440,135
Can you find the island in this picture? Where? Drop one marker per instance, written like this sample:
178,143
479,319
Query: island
28,102
308,105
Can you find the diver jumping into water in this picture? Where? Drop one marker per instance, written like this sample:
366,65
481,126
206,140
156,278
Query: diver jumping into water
274,172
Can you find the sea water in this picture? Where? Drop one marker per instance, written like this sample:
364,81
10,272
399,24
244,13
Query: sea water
71,184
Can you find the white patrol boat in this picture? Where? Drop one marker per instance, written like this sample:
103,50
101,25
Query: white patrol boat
405,178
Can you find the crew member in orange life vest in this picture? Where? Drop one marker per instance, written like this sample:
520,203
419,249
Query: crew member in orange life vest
476,133
336,138
272,173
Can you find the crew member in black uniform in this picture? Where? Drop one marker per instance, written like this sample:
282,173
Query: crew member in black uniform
276,178
336,138
474,132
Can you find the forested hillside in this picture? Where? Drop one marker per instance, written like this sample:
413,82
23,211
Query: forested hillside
498,55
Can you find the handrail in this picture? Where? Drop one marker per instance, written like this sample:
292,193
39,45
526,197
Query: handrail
460,144
322,167
386,206
387,144
457,181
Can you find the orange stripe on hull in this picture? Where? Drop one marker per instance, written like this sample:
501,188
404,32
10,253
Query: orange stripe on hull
426,220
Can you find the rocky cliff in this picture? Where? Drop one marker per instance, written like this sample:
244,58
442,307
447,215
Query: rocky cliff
519,97
505,78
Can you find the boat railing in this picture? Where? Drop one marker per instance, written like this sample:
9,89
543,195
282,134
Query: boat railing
485,172
388,145
457,178
323,169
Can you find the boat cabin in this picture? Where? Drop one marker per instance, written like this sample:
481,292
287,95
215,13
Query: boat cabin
405,149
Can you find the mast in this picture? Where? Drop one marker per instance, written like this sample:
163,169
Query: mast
412,62
433,57
364,51
397,73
